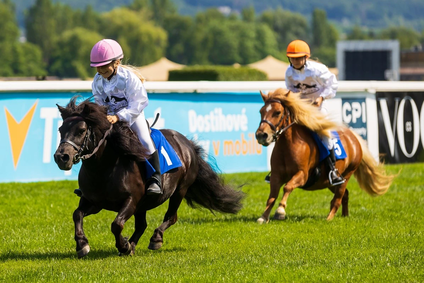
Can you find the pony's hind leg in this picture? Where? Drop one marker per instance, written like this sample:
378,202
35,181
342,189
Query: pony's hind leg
345,202
140,227
85,208
339,192
170,219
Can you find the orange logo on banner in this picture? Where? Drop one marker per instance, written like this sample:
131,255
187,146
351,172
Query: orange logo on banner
18,132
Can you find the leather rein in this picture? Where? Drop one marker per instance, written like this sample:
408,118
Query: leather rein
278,132
84,145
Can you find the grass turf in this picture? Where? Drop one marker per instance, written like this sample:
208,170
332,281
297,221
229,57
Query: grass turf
382,239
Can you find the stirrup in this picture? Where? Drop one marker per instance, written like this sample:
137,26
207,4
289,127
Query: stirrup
340,181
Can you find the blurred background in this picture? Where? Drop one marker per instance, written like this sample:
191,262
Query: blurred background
49,39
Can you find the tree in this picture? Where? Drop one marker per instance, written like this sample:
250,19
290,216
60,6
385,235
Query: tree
88,19
324,39
138,5
180,30
8,36
160,9
248,14
357,34
287,26
71,55
18,59
266,42
142,41
40,27
407,37
224,48
27,60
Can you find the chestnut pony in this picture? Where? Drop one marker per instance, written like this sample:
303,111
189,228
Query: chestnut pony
289,120
112,176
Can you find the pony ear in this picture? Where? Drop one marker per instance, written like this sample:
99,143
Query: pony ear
65,113
264,96
86,110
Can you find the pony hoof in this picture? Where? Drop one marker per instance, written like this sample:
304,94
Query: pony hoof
262,220
280,214
155,245
128,252
83,252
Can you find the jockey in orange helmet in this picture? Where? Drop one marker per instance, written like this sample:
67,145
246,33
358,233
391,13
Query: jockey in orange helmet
315,82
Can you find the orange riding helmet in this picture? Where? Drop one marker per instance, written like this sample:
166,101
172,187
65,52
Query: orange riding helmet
298,48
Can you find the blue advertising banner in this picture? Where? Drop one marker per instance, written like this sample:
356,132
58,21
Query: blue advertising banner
354,115
223,123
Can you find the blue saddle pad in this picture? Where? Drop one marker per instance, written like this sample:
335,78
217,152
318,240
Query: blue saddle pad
323,150
168,158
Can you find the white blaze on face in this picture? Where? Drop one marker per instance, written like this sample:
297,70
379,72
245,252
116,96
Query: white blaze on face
269,107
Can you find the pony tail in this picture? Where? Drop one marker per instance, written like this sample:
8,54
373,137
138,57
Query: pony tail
135,71
371,176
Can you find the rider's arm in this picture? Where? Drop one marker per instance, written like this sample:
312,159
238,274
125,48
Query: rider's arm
137,99
328,80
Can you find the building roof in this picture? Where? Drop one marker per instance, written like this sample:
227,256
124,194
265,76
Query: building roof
158,71
274,68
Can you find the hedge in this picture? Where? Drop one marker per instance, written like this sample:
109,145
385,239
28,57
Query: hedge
217,73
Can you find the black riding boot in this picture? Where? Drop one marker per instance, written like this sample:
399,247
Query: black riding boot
155,181
333,175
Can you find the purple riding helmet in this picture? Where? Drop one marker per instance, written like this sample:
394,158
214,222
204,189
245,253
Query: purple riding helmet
104,52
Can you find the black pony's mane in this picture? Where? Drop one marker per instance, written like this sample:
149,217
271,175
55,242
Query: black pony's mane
121,138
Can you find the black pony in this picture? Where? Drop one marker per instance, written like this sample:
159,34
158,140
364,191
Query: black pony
113,178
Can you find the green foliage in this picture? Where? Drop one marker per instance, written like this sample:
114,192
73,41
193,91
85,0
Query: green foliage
407,37
217,73
381,240
248,14
40,27
71,56
28,61
180,43
323,34
287,26
160,9
142,41
18,59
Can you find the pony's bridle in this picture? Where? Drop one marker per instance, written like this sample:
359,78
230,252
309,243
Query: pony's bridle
84,145
278,132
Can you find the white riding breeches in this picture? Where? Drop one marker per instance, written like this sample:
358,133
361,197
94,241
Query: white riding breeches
328,142
141,129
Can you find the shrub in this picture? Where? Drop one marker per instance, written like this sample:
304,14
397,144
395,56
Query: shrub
217,73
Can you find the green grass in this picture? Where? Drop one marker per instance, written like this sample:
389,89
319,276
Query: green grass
382,239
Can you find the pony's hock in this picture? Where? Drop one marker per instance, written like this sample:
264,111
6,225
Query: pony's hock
288,121
113,176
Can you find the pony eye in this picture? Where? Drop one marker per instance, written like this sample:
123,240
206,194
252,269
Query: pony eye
276,114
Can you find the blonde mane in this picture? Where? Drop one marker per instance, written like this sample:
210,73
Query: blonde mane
303,112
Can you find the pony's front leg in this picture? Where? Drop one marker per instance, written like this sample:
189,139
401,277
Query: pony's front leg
275,185
127,210
85,208
140,227
296,181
